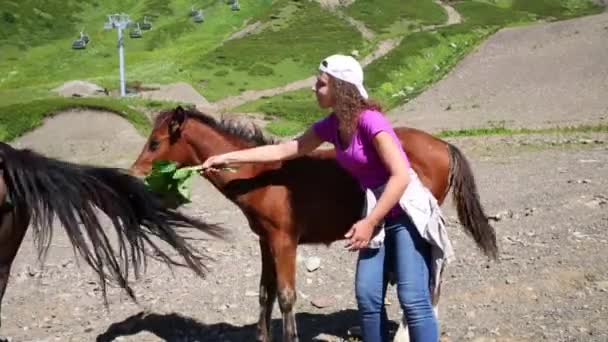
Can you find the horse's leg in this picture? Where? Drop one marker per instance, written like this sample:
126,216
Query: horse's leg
4,272
284,250
11,236
268,293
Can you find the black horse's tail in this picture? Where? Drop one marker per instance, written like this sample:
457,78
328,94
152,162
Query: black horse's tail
469,208
48,189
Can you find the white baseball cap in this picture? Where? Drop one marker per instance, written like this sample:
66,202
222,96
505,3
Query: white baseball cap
345,68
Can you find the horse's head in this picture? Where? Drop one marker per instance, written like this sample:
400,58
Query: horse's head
167,141
189,137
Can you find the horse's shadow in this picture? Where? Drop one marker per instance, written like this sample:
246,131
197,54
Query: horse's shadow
174,327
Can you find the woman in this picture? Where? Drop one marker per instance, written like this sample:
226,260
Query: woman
369,149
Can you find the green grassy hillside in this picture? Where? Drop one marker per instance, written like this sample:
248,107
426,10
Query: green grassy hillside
423,56
391,17
37,50
17,118
286,42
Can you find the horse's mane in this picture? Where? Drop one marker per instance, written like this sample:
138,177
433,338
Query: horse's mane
45,189
251,134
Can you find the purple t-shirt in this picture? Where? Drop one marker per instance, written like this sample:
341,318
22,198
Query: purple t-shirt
360,158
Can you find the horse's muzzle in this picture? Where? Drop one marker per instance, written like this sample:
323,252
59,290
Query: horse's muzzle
137,172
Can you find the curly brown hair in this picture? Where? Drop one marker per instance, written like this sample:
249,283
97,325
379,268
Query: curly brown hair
350,104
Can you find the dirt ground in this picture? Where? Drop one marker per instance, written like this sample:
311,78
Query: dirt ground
549,194
85,136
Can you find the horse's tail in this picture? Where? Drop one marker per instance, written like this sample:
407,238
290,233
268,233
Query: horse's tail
48,188
469,208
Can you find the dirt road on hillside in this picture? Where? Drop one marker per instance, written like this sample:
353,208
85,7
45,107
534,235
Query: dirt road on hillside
541,75
87,136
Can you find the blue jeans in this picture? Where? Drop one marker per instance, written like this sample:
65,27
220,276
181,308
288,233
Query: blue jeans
407,254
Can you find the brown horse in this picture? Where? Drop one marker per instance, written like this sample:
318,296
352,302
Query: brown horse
310,199
36,189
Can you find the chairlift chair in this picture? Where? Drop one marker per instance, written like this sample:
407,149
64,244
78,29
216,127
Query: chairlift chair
199,18
108,25
84,37
136,32
235,6
79,44
146,25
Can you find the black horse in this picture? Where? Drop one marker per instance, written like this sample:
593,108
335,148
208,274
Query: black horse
36,190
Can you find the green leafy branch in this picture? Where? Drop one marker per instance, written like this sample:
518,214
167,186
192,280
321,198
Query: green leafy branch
173,184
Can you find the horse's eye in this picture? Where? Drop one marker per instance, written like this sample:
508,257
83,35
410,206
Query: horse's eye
153,146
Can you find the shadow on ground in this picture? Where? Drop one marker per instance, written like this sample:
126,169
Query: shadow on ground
174,327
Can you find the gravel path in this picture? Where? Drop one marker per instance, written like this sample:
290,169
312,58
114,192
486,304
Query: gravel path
549,194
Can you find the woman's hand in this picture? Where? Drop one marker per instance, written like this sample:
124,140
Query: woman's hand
359,235
210,164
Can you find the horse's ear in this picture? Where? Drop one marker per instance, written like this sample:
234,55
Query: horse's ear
177,120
